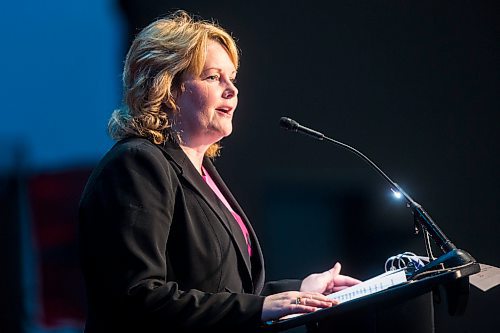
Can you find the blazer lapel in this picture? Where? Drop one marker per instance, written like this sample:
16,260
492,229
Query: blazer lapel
257,262
187,171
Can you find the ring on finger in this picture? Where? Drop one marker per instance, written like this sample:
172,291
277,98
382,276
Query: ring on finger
298,300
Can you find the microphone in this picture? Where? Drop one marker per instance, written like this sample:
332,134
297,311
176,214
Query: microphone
294,126
452,256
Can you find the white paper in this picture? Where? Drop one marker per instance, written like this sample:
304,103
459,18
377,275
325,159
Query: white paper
487,278
373,285
367,287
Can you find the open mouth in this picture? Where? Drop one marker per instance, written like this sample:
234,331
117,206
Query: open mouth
225,111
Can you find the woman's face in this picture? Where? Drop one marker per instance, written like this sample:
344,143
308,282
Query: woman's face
207,102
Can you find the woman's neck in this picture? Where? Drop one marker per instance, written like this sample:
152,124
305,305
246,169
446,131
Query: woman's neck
195,155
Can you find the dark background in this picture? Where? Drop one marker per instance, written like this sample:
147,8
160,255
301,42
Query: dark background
412,84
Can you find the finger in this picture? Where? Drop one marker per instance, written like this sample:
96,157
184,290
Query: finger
335,289
317,296
335,270
318,300
302,309
343,280
312,302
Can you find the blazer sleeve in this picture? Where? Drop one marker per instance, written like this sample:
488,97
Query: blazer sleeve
125,216
274,287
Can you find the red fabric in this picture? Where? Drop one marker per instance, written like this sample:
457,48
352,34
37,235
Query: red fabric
53,200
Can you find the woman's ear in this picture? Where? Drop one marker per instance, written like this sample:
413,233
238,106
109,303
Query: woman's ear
175,94
177,86
177,90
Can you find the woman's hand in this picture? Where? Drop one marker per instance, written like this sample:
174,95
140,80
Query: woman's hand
327,282
291,302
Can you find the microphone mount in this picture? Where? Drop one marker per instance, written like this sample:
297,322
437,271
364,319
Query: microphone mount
452,257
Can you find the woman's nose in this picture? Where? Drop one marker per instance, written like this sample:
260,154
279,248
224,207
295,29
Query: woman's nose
230,91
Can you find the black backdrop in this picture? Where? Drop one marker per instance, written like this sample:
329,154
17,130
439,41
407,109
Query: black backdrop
412,84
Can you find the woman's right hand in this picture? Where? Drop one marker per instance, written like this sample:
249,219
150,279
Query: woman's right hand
291,302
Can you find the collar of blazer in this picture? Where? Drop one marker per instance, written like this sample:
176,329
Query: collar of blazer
185,169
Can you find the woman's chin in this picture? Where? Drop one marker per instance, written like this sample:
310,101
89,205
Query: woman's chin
222,131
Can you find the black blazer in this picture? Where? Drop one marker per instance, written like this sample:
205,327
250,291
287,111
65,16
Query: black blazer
160,252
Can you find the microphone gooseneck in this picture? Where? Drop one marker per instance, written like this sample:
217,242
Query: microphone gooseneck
454,256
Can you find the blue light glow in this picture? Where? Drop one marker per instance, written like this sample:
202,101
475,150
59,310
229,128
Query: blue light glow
397,194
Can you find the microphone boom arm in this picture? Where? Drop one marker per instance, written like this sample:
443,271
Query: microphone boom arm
452,257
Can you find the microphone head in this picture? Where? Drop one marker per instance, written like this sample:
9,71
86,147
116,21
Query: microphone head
289,124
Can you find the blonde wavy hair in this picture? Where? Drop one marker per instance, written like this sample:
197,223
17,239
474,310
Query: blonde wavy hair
158,57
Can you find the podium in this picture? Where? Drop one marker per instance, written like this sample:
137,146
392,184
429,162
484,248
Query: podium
407,307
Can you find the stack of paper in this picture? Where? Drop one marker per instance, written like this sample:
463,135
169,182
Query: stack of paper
373,285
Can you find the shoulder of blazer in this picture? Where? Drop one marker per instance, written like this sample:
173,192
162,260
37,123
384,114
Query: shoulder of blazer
126,155
174,155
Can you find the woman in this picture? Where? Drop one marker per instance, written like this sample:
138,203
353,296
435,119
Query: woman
164,244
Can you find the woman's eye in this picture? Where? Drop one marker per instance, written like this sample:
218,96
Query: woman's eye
213,77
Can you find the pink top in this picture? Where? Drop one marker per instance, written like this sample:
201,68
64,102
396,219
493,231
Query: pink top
213,186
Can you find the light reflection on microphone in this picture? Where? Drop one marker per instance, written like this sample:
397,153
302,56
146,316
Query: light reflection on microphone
397,194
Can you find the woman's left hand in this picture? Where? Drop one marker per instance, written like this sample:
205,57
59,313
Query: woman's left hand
327,282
